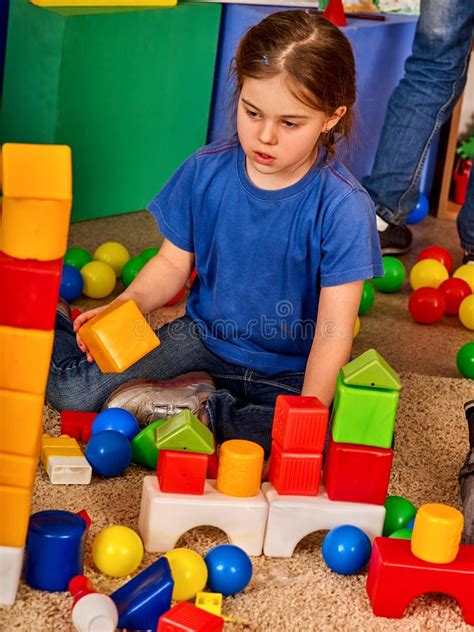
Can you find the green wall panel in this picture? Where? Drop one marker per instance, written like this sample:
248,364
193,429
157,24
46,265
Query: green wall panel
128,90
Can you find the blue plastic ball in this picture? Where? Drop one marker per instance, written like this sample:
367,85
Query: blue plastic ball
117,419
410,524
229,569
420,211
346,549
109,453
71,283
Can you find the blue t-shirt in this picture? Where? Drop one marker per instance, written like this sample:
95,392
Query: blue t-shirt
262,256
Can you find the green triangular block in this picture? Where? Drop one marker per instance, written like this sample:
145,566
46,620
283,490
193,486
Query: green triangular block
144,450
184,432
372,371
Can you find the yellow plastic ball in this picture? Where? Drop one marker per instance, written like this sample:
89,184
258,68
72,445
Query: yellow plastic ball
466,272
466,312
99,279
114,254
428,273
189,572
117,551
356,326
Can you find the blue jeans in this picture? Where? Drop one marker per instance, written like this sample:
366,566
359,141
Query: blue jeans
241,408
435,75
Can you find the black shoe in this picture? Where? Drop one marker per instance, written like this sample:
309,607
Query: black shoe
466,479
468,257
395,239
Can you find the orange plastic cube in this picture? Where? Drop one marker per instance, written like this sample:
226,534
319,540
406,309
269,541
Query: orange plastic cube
21,422
17,471
15,504
37,199
118,337
25,355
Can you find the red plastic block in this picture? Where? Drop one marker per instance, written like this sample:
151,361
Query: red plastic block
293,473
334,12
396,577
300,423
181,472
213,463
29,291
357,473
77,424
185,617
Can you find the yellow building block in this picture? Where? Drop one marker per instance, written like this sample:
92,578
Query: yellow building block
240,468
211,602
118,337
437,533
17,471
25,356
21,423
58,446
15,506
37,198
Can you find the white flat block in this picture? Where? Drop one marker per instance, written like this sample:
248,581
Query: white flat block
291,518
11,563
165,517
69,470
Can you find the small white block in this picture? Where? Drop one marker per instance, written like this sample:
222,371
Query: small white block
165,517
291,518
11,563
69,470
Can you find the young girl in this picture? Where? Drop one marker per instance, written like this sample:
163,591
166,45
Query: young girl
281,234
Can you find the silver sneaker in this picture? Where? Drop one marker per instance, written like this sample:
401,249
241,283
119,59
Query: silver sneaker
149,400
466,479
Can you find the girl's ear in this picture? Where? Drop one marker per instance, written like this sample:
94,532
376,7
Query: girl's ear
334,119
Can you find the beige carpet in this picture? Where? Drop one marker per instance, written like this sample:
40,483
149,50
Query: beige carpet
298,593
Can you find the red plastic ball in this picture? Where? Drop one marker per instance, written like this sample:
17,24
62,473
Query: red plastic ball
427,305
454,291
440,254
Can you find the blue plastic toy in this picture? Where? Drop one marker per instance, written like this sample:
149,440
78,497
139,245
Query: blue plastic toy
346,549
117,419
420,211
410,524
229,569
109,452
55,549
141,601
71,283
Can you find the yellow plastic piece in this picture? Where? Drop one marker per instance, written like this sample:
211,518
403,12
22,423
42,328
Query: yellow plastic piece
58,446
113,253
189,572
21,423
118,337
37,198
117,551
240,468
437,533
466,311
466,272
25,356
17,471
99,279
428,273
356,327
211,602
103,3
15,506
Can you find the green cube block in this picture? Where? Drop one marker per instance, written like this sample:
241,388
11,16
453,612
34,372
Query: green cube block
363,415
144,450
129,89
184,432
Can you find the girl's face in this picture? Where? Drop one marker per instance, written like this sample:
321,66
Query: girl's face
278,132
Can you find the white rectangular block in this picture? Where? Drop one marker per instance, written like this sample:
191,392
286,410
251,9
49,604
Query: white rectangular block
291,518
69,470
11,562
165,517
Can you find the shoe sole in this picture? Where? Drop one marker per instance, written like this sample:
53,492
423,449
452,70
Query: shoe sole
390,250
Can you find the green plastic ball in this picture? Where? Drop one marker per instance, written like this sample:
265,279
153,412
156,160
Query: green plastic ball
148,254
367,299
465,360
402,534
394,274
131,269
77,257
399,513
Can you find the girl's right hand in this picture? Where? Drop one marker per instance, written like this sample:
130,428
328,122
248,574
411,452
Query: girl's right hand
81,320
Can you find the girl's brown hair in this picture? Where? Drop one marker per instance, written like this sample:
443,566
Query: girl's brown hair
315,57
